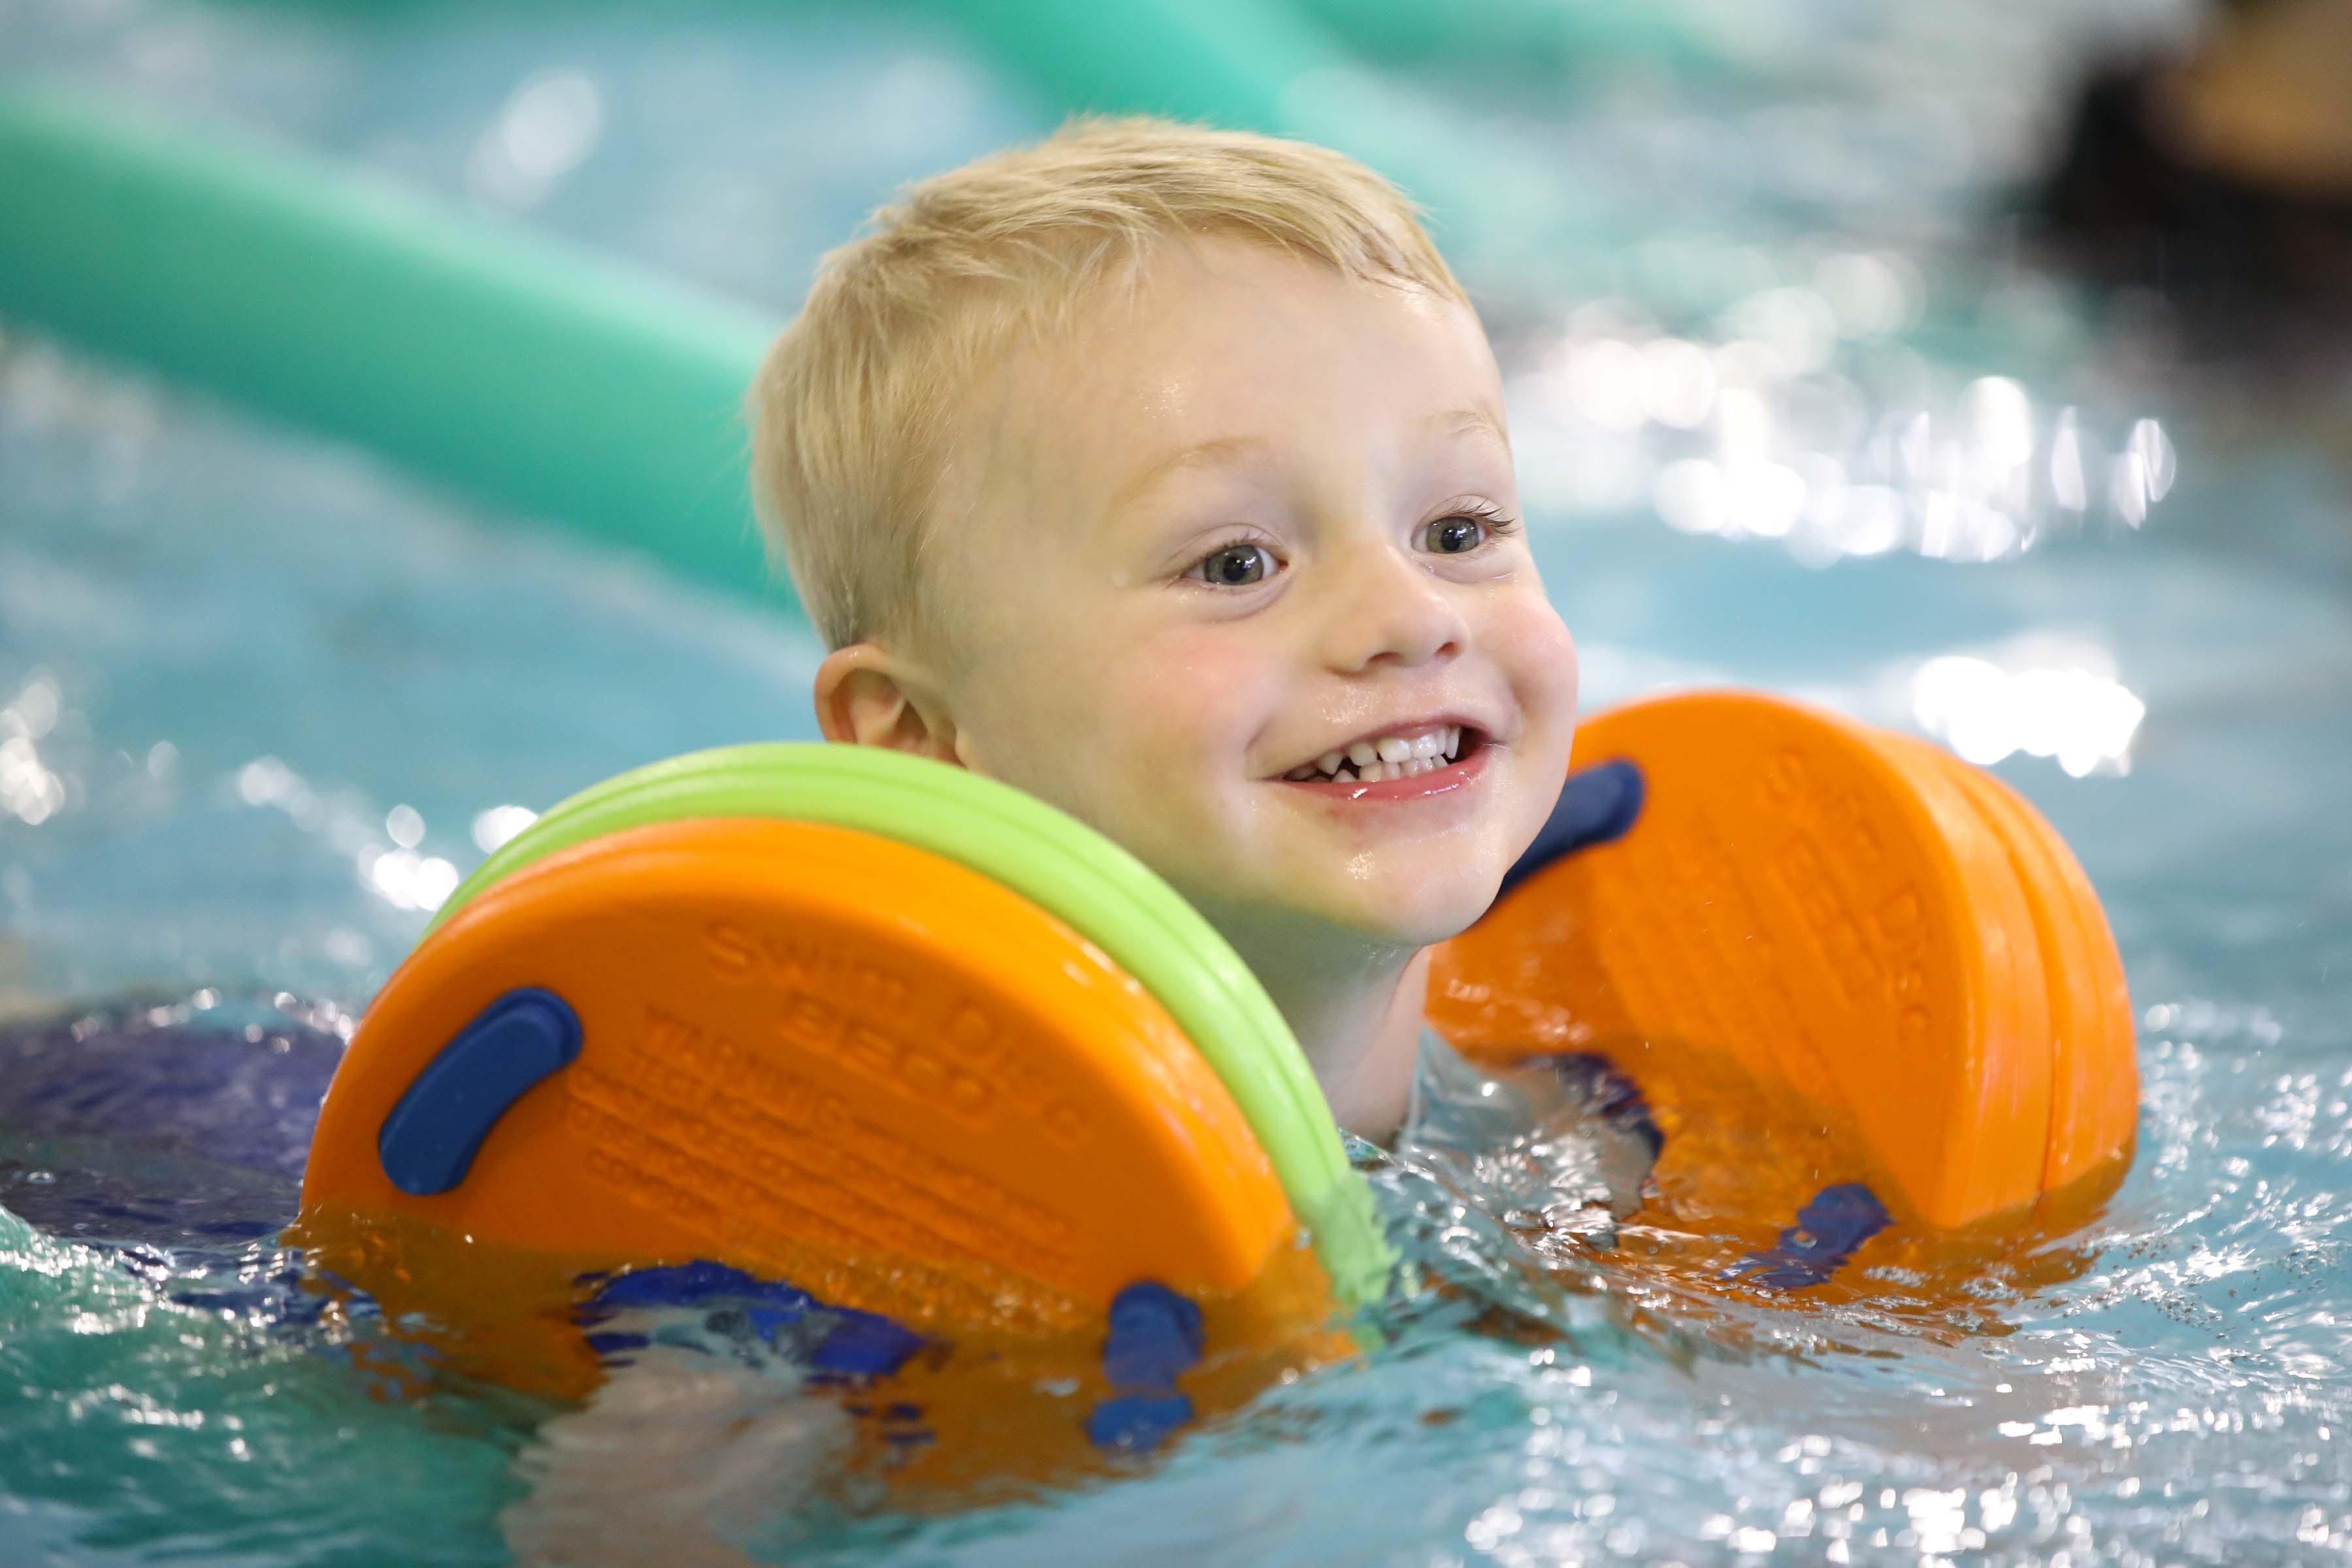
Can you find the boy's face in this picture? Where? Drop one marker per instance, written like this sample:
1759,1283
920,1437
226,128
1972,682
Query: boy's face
1203,550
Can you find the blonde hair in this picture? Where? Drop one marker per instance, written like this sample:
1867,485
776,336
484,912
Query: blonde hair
851,407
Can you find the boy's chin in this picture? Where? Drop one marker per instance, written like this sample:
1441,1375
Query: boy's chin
1346,916
1408,917
1426,928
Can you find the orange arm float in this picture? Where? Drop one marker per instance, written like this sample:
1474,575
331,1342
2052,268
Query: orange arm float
1846,916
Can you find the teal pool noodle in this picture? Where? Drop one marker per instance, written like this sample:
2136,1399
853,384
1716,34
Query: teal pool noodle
1257,65
524,371
1224,62
1517,38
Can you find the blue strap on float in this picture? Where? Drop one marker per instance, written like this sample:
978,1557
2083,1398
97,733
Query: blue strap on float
1596,806
857,1345
428,1143
1155,1335
1829,1231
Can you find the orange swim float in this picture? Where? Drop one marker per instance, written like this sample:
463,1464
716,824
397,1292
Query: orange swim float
1847,918
689,1028
825,1058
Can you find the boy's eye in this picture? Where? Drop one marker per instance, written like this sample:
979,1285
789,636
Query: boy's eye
1235,566
1454,535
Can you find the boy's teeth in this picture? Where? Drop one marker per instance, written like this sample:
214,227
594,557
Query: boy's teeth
1388,757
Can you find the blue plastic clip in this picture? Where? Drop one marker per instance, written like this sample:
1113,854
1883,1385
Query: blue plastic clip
1155,1335
1598,805
428,1143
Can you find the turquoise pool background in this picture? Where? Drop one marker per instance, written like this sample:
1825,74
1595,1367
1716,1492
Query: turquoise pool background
230,655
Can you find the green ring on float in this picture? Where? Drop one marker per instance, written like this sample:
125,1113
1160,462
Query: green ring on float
1066,868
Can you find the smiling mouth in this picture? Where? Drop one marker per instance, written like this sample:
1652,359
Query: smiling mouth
1408,753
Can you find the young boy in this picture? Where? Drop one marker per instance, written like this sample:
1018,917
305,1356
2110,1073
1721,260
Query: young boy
1163,472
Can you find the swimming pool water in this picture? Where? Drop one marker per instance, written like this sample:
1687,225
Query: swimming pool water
253,687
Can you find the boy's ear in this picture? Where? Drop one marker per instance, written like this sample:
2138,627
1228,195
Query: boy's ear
868,696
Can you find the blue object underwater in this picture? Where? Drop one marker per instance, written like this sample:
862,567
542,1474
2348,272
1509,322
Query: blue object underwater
852,1345
1828,1231
164,1134
1155,1336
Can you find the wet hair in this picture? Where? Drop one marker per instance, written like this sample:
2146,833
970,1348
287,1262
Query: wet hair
851,409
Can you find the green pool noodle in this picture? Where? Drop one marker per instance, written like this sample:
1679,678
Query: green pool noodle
530,374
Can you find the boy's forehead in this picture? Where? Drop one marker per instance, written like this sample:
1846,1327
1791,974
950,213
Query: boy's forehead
1229,352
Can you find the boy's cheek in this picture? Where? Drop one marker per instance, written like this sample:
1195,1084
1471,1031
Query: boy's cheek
1542,665
1533,645
1153,734
1203,696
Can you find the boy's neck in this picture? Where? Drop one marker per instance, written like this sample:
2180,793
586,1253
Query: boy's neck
1360,1024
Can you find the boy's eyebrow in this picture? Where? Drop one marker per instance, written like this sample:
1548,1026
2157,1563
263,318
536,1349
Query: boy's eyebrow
1469,417
1447,422
1194,456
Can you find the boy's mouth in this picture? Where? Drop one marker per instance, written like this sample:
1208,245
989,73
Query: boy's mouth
1401,755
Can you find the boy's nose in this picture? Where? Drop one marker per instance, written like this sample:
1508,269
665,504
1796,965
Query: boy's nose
1385,608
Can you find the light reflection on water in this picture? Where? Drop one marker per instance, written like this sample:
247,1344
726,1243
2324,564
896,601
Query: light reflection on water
229,661
2077,713
1746,440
